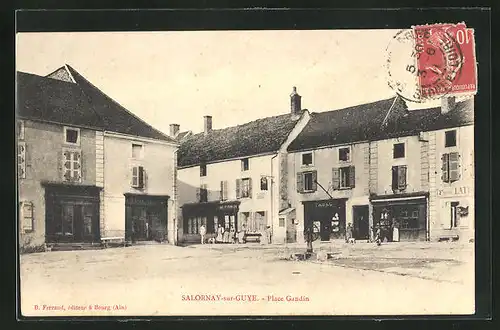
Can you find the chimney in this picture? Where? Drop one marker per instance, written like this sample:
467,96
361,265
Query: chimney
208,123
174,130
295,102
447,104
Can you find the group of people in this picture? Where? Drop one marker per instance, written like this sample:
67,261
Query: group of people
229,236
379,234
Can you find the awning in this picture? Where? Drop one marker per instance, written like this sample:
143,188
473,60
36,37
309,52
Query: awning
287,211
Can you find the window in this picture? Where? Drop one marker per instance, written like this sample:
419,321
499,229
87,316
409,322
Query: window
203,170
343,177
450,168
138,177
450,138
137,150
282,222
454,215
246,188
263,183
307,159
344,154
192,225
20,129
223,190
203,194
72,135
399,150
306,181
21,160
244,164
398,178
26,215
72,167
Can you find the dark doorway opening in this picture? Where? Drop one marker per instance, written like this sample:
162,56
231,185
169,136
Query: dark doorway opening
361,226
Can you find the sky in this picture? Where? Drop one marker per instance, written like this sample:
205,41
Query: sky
234,76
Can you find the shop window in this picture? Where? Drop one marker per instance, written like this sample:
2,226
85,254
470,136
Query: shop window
223,190
306,182
138,177
450,139
244,164
399,150
345,154
203,170
72,166
399,178
26,215
450,168
21,160
455,218
137,151
343,177
72,136
263,183
307,159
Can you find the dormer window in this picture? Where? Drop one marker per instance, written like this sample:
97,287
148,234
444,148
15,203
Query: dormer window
344,154
72,136
450,139
244,164
307,159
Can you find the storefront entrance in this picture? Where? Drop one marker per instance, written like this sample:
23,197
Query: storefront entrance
72,214
361,226
327,217
409,215
146,218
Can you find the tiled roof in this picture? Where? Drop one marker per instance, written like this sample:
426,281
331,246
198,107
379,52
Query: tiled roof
257,137
77,104
365,122
183,135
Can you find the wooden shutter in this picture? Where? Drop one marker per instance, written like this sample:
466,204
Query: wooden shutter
314,180
401,177
198,194
225,184
454,173
395,174
238,188
21,160
445,174
352,177
66,165
77,166
221,197
250,187
140,176
335,178
300,182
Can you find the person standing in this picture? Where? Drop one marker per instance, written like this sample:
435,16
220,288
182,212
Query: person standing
348,232
203,232
395,232
269,233
220,233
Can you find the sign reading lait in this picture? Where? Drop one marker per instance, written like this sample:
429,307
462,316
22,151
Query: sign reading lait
455,191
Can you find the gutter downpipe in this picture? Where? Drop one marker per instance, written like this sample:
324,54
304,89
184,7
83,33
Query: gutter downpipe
272,196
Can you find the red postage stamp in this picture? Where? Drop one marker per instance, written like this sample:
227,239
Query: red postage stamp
445,60
431,61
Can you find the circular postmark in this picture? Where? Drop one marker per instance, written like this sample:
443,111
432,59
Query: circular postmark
423,62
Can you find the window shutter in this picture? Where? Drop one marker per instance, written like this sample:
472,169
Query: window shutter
221,197
238,188
225,184
454,173
77,167
140,178
352,177
401,177
198,194
21,160
335,178
445,174
250,187
395,173
314,179
300,182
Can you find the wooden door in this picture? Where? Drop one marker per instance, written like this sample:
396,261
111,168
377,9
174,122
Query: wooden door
361,228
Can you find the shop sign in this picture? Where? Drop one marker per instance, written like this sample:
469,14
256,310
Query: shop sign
324,204
227,207
455,191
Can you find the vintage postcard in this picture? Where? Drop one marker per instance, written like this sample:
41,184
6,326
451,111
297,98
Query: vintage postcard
277,172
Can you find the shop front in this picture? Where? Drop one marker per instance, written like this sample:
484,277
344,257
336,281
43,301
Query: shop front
406,213
211,215
71,213
146,218
327,218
